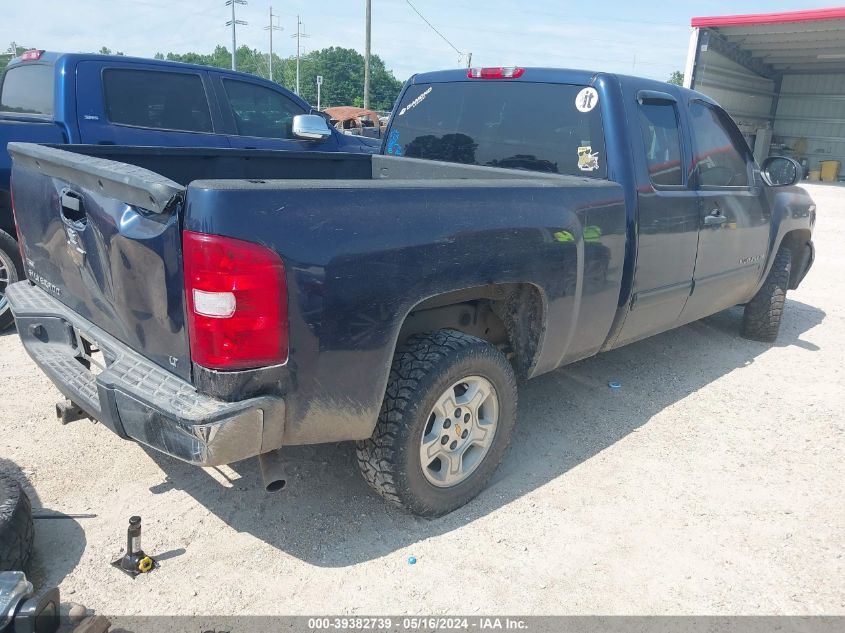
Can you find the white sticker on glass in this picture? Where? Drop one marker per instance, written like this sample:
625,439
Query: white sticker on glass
416,101
587,99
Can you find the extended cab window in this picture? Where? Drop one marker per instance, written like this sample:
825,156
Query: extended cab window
156,99
28,89
515,124
260,111
659,126
721,155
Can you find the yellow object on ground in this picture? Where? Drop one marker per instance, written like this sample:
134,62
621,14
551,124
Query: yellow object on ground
829,170
814,175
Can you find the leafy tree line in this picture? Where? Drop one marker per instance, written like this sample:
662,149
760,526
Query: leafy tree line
342,70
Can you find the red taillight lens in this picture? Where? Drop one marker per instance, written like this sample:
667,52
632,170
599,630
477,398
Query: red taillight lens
237,302
32,55
498,72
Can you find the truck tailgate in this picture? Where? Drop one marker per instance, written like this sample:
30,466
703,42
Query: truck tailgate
104,239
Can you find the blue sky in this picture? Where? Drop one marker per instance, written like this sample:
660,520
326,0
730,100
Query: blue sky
643,38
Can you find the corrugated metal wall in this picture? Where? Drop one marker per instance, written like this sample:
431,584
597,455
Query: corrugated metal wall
746,96
813,107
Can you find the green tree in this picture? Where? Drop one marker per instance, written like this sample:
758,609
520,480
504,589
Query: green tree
677,78
342,70
249,60
7,56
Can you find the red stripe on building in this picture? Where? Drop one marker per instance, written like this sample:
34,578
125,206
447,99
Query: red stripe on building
811,15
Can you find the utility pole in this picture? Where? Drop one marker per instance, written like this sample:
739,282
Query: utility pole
469,60
319,86
272,27
299,34
234,24
367,55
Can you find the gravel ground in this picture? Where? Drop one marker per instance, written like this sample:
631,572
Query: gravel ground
710,483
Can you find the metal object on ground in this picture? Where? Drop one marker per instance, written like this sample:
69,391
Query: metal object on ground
272,471
460,431
25,613
68,411
134,561
51,514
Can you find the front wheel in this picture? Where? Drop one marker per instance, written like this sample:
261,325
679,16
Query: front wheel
762,316
444,425
11,270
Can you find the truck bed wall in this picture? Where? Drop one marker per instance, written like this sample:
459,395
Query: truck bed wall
364,241
360,255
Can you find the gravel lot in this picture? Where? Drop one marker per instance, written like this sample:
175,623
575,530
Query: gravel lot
710,483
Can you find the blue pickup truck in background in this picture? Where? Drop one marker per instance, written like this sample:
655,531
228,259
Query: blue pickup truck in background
89,99
219,304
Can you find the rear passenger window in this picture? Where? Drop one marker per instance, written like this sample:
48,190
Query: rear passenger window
721,155
153,99
28,89
260,111
659,127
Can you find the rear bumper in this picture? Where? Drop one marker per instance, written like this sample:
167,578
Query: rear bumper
136,398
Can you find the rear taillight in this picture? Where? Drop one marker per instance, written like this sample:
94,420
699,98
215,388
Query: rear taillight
497,72
237,302
31,56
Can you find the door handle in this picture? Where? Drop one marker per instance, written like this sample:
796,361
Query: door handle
73,209
714,219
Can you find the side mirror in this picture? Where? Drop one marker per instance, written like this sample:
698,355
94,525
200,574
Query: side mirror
310,127
780,171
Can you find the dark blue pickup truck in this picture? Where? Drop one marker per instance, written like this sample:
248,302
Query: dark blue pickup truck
114,100
220,304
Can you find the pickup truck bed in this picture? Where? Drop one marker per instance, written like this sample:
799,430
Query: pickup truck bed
353,277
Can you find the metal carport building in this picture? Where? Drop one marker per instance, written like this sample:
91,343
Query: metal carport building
781,76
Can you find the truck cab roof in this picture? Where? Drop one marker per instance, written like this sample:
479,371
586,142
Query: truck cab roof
572,76
68,61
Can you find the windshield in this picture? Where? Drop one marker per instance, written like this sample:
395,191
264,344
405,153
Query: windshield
28,89
535,126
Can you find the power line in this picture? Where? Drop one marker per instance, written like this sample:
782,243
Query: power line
299,34
433,28
272,26
234,24
367,54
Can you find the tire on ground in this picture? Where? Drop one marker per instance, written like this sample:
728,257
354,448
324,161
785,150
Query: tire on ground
16,528
762,316
11,260
423,369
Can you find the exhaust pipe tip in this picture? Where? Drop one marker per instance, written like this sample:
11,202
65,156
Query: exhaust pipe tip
275,486
272,471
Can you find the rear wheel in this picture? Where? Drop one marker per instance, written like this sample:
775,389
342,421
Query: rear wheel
444,425
11,270
16,528
762,316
